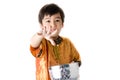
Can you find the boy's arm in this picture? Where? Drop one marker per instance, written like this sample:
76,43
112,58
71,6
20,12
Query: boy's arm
36,52
35,46
75,53
36,40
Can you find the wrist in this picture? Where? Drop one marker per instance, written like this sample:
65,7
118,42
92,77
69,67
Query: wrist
39,34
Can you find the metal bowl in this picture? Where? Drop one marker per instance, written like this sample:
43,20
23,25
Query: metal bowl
65,72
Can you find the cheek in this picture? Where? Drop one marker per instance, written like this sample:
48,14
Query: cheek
45,23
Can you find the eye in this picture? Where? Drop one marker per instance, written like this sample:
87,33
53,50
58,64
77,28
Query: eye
57,20
47,21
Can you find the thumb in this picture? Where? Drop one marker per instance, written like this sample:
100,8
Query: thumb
52,42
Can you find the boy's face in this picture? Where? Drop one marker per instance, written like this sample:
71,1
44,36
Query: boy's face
52,23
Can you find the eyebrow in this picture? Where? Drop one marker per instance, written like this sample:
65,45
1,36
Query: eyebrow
46,18
55,18
58,17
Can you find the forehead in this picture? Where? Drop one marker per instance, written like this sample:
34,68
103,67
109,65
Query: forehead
57,15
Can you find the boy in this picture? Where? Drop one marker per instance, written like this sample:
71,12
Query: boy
47,46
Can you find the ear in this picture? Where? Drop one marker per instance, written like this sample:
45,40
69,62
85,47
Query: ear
62,25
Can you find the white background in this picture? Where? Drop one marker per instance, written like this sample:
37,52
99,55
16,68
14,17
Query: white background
92,25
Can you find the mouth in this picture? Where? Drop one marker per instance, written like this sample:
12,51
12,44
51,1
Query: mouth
52,30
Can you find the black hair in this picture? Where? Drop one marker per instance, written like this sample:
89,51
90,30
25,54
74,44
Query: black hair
50,9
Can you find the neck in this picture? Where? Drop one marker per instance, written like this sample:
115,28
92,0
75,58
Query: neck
58,40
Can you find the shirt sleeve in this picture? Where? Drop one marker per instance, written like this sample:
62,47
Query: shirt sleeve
36,51
75,54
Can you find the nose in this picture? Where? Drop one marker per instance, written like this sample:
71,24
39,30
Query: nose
53,25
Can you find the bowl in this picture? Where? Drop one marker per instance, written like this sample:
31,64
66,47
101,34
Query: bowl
65,72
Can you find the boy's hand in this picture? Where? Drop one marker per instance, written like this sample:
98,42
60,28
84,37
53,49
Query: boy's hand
49,35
